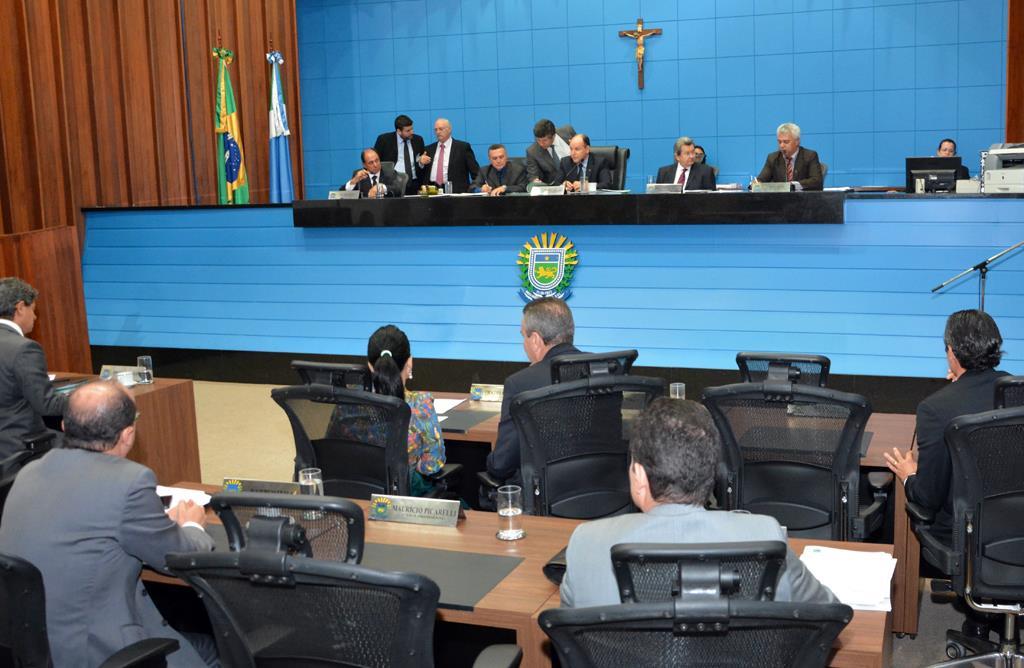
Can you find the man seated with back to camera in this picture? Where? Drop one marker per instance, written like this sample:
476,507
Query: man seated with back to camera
674,452
547,329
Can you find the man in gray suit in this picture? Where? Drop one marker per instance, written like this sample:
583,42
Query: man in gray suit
541,157
88,519
674,453
26,393
500,176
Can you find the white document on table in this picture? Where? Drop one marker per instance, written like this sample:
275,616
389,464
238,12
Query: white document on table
861,580
442,406
179,494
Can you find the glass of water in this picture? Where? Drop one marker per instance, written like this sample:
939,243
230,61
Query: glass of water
311,482
677,390
510,512
145,364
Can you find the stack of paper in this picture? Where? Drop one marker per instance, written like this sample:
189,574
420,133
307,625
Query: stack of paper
442,406
179,494
861,580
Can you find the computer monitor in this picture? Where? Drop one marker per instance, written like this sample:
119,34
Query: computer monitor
939,174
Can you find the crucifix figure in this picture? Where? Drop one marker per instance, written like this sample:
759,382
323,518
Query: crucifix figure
640,35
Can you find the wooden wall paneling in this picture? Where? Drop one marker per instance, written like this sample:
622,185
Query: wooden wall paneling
167,87
1015,72
252,93
137,99
17,125
110,125
50,261
200,39
78,96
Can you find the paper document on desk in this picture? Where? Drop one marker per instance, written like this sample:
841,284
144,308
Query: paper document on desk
442,406
179,494
861,580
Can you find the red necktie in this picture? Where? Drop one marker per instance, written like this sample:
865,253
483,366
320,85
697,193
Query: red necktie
439,178
789,169
682,177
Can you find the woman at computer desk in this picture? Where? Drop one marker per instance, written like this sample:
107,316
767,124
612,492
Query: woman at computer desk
389,357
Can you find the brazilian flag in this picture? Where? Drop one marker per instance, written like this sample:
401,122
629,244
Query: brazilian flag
232,184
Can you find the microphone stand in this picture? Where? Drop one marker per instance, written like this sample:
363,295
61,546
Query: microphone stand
982,269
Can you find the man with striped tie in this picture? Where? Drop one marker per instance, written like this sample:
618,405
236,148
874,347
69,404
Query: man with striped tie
792,163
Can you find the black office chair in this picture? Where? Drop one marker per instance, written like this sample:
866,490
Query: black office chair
333,526
352,376
657,572
23,637
574,451
702,632
793,452
617,158
401,178
801,368
270,608
986,559
1009,392
518,160
588,365
359,440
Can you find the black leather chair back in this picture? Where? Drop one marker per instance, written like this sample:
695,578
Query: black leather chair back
333,526
23,638
698,633
588,365
655,572
574,448
801,368
618,158
358,439
352,376
792,452
1009,392
272,609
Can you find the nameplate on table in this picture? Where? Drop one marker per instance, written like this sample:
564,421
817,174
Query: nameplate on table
261,486
415,510
537,191
770,187
486,392
664,188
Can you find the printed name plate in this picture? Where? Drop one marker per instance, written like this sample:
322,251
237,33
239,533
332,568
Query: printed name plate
415,510
262,486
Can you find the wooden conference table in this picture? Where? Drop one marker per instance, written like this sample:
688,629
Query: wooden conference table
519,598
888,430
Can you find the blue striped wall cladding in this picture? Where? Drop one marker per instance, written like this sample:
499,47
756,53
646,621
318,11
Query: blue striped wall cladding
685,296
869,81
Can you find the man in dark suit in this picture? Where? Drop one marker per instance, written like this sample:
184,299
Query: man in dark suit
26,394
686,171
947,149
541,158
973,350
501,176
401,147
88,519
372,180
547,329
791,163
580,162
449,159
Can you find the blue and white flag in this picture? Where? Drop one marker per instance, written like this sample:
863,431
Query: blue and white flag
280,153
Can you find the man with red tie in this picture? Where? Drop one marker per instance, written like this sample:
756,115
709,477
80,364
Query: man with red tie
686,171
449,159
791,163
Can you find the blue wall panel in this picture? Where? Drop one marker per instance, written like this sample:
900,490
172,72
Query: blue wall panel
687,296
870,82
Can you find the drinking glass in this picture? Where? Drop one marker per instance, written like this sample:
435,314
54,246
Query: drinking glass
145,362
311,481
510,512
677,390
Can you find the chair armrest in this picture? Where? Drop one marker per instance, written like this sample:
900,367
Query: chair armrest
488,480
920,514
880,480
447,473
499,656
40,442
143,653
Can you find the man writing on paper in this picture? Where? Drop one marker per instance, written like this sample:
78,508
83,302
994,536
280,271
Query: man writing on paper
687,171
26,394
88,518
501,176
674,452
791,163
578,163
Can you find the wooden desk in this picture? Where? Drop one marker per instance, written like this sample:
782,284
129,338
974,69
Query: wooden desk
888,430
166,439
517,600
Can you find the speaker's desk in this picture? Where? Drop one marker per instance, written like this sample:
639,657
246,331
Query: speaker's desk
521,596
888,430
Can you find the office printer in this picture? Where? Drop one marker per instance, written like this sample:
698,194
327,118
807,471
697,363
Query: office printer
1004,169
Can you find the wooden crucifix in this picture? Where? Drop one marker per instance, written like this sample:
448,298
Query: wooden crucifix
640,35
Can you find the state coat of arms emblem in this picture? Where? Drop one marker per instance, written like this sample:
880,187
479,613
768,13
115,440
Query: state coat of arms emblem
546,267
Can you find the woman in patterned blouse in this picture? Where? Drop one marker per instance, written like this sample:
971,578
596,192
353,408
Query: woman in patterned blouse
390,360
